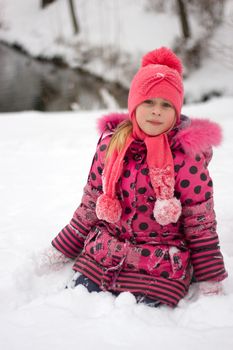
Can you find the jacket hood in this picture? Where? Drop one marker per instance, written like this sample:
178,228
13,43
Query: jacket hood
194,135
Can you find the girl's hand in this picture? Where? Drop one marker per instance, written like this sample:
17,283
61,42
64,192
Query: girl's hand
211,288
49,260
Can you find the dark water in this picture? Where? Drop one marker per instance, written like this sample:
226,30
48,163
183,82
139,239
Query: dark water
29,84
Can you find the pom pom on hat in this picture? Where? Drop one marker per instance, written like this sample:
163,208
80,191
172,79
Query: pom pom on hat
163,56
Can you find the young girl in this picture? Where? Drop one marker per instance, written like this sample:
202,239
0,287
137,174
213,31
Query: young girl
146,222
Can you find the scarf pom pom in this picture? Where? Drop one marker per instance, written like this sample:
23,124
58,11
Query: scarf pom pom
108,209
167,211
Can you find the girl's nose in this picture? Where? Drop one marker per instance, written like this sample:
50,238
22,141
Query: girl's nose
156,110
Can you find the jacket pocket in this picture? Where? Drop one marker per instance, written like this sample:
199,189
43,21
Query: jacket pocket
158,260
104,248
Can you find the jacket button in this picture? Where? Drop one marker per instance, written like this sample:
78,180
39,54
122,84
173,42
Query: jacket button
137,157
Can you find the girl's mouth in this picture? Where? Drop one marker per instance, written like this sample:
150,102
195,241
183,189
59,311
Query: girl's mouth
153,122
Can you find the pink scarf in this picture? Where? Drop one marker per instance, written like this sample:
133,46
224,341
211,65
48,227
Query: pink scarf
161,171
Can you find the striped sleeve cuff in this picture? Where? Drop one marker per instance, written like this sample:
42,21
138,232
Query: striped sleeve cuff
208,264
69,241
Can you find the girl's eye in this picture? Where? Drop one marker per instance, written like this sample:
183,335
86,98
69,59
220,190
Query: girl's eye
148,102
167,105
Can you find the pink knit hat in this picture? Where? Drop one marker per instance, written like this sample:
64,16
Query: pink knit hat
159,76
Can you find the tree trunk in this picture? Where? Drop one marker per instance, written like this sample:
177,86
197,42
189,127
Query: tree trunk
73,17
184,19
46,2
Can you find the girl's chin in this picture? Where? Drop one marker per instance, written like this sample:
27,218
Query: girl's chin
154,133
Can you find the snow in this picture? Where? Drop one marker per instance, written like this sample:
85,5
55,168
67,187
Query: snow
114,35
45,158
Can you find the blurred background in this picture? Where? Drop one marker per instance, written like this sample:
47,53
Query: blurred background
58,55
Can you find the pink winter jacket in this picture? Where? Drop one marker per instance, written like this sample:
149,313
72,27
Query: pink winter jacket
137,254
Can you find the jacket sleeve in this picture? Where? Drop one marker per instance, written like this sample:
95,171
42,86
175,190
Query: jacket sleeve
70,239
194,187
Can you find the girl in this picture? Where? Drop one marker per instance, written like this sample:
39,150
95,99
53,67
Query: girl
146,222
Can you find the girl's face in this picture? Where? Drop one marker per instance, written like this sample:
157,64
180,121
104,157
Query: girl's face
155,116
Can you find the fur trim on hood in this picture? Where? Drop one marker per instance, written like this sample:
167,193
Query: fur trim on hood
193,134
199,136
109,122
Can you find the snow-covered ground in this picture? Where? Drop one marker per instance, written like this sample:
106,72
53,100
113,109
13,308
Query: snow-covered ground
114,35
44,163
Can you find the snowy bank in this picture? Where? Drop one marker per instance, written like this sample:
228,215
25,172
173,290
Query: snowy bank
114,35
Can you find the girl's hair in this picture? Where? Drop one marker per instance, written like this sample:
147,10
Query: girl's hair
119,137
